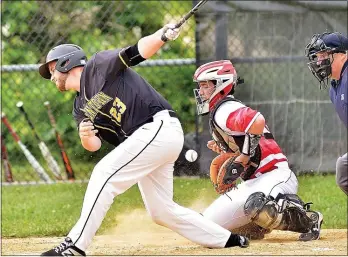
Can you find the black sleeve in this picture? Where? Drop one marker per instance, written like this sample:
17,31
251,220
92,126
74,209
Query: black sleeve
110,62
131,55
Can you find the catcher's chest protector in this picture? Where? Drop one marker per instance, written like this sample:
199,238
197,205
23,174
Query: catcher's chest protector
229,143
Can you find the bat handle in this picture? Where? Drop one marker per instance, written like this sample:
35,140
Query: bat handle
182,21
177,25
164,38
188,15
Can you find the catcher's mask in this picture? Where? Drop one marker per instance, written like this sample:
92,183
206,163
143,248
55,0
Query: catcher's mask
224,77
320,52
68,56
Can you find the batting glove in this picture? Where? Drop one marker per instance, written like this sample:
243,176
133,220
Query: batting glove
170,33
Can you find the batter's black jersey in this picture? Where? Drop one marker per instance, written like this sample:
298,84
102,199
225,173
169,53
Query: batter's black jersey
115,98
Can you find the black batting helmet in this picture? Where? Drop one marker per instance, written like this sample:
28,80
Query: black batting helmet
68,56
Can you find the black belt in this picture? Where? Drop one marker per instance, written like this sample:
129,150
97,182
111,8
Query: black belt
172,114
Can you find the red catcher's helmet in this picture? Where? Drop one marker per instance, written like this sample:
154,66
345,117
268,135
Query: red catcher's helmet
223,75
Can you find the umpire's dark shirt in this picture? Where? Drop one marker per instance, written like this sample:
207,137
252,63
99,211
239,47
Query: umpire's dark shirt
339,94
115,98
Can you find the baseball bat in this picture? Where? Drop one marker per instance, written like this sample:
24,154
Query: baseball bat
190,13
51,162
31,159
7,166
68,169
186,17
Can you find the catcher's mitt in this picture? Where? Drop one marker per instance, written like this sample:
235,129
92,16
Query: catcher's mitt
218,171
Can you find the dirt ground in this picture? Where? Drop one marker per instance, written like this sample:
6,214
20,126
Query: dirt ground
136,234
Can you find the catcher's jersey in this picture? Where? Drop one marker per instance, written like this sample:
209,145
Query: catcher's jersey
234,118
115,98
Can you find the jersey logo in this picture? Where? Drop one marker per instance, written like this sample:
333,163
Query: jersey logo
93,106
118,108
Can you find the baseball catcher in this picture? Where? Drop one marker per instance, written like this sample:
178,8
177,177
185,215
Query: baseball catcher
258,189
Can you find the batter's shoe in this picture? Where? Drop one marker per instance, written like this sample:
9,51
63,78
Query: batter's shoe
66,248
237,240
314,233
244,241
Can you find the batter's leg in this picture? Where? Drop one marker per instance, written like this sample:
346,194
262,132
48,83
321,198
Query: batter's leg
102,188
157,192
113,175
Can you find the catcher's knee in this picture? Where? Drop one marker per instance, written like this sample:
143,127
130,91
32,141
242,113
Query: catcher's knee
262,210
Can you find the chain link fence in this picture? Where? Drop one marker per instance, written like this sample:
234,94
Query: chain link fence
265,41
31,28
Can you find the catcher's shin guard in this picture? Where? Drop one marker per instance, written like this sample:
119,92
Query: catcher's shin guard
286,212
295,219
314,233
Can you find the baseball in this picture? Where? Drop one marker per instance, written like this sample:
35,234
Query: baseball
191,155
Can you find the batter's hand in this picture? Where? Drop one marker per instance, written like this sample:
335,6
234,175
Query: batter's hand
86,129
213,146
169,32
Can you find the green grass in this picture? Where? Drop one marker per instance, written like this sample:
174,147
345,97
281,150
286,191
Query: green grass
52,210
23,171
327,198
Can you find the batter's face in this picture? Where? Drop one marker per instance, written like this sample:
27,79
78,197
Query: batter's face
206,89
57,77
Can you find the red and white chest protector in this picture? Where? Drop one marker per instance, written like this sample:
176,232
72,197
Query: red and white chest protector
235,119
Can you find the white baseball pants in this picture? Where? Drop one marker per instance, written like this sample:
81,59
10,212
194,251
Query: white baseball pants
147,157
228,209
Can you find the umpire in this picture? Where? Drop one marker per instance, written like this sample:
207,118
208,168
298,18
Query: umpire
116,104
327,54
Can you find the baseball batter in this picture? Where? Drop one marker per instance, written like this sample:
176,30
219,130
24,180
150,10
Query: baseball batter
116,104
327,54
267,194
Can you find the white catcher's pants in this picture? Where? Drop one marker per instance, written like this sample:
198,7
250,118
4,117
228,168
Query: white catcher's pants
228,209
147,157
